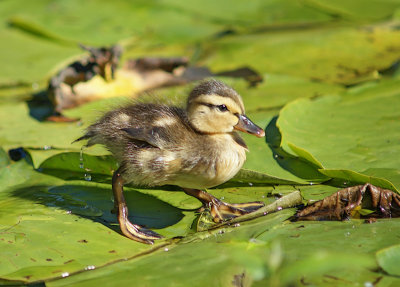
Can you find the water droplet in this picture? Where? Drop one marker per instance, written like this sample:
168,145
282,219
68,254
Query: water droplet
65,274
88,177
236,225
250,184
311,183
35,86
166,249
279,208
81,159
276,156
90,267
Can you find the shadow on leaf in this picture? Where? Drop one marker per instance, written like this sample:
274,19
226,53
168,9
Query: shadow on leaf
95,203
40,107
295,165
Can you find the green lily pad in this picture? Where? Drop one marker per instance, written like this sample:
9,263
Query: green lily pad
55,221
282,261
389,259
234,258
352,133
322,54
259,13
356,10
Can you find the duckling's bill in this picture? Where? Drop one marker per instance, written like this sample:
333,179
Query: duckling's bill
247,126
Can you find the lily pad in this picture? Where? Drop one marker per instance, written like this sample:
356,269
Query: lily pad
356,10
351,132
322,54
389,259
56,220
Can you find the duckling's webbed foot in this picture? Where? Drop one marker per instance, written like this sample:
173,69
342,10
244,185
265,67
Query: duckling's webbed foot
130,230
220,210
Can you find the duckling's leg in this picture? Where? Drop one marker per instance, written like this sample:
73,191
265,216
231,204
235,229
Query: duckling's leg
132,231
220,210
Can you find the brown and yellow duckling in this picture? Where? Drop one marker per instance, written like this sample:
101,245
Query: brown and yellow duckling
196,148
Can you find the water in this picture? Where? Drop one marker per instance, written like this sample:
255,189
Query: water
81,159
87,177
65,274
90,267
35,86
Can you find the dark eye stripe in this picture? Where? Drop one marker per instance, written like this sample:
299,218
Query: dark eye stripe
222,108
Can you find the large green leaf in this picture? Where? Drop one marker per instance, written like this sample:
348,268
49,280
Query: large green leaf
61,225
341,251
322,54
357,132
389,259
356,10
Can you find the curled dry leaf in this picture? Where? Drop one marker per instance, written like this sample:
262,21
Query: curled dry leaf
349,202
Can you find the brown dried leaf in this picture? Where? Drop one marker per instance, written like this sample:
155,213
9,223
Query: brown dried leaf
344,203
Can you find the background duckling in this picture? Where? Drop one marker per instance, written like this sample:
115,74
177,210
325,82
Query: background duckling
196,148
102,61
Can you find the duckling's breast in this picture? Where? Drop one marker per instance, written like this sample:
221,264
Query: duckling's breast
212,163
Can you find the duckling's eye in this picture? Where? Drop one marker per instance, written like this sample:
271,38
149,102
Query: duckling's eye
222,108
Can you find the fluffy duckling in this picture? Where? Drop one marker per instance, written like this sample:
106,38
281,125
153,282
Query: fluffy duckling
196,148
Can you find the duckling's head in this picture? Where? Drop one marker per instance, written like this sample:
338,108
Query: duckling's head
215,108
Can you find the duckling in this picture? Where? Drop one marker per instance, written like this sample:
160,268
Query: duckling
194,148
102,61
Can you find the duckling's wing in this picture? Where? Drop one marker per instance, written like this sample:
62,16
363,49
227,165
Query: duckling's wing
149,136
